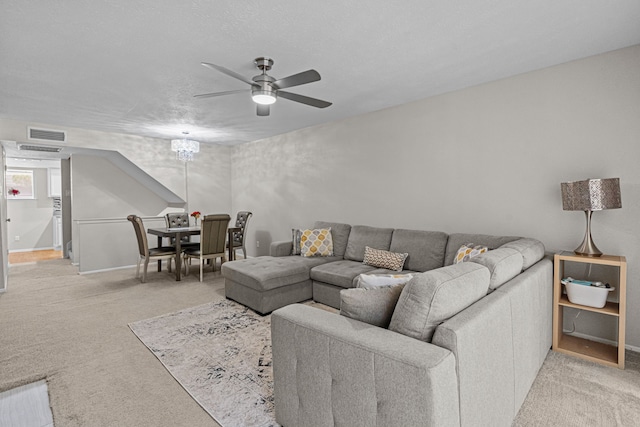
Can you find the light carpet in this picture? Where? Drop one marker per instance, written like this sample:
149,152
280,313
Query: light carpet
221,354
72,330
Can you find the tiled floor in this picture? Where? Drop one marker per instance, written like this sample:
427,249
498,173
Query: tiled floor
26,406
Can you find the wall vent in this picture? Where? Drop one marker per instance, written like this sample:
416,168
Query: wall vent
46,148
35,134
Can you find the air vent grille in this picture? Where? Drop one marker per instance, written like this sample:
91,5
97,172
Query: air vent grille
47,135
48,149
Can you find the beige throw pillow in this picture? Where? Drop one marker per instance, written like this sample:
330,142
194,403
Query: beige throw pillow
384,259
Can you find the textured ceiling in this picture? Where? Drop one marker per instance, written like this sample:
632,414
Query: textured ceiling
134,66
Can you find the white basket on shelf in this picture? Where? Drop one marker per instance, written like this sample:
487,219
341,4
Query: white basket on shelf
591,296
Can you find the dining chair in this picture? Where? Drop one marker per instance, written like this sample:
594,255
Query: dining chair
213,236
145,253
242,220
180,219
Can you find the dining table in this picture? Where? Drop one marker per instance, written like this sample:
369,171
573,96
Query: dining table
177,233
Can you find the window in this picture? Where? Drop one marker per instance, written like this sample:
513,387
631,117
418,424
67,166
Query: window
19,184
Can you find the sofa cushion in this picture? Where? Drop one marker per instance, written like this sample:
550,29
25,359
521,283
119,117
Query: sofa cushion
361,236
532,250
425,248
458,239
503,264
431,298
339,233
316,242
373,306
340,273
370,281
266,272
384,259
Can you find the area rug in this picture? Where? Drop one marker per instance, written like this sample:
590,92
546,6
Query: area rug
221,355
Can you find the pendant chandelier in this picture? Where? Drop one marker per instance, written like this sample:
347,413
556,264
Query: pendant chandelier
185,148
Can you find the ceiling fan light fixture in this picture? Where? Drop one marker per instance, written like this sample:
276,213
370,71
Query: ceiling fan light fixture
263,97
265,89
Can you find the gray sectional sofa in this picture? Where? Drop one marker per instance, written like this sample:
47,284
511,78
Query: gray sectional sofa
463,346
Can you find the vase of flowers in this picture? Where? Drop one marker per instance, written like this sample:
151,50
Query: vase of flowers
14,192
196,216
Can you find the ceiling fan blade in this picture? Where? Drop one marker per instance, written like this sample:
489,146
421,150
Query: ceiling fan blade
297,79
211,95
263,110
303,99
228,72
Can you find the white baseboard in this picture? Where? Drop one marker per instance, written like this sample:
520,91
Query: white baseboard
602,340
107,269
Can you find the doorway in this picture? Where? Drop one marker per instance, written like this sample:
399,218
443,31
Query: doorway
34,209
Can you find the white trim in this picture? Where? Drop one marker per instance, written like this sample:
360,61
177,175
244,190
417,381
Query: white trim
106,269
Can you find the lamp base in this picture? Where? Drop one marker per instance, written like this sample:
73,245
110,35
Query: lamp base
587,247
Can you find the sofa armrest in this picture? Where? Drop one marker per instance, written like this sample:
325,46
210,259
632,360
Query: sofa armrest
281,248
332,370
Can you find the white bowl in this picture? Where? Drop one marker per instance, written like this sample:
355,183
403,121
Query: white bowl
591,296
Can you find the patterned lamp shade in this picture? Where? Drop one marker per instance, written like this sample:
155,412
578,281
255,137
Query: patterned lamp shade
591,195
588,196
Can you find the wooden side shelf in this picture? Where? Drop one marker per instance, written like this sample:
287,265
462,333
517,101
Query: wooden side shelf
580,347
611,308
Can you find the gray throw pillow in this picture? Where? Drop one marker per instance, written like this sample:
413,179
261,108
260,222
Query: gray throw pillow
432,297
370,305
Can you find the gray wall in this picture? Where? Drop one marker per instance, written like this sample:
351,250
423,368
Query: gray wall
485,159
31,219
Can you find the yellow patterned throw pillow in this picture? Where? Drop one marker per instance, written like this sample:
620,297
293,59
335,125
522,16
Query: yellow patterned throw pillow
468,251
317,242
384,259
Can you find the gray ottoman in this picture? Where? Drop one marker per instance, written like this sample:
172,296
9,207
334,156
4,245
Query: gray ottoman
268,283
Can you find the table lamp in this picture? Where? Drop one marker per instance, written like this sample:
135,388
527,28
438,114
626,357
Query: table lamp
588,196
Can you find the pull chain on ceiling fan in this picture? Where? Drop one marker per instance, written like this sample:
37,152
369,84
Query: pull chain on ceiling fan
265,90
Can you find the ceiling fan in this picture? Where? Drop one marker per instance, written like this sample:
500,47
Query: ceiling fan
265,90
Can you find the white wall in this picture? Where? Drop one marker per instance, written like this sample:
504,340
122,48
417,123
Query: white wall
101,190
485,159
31,219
